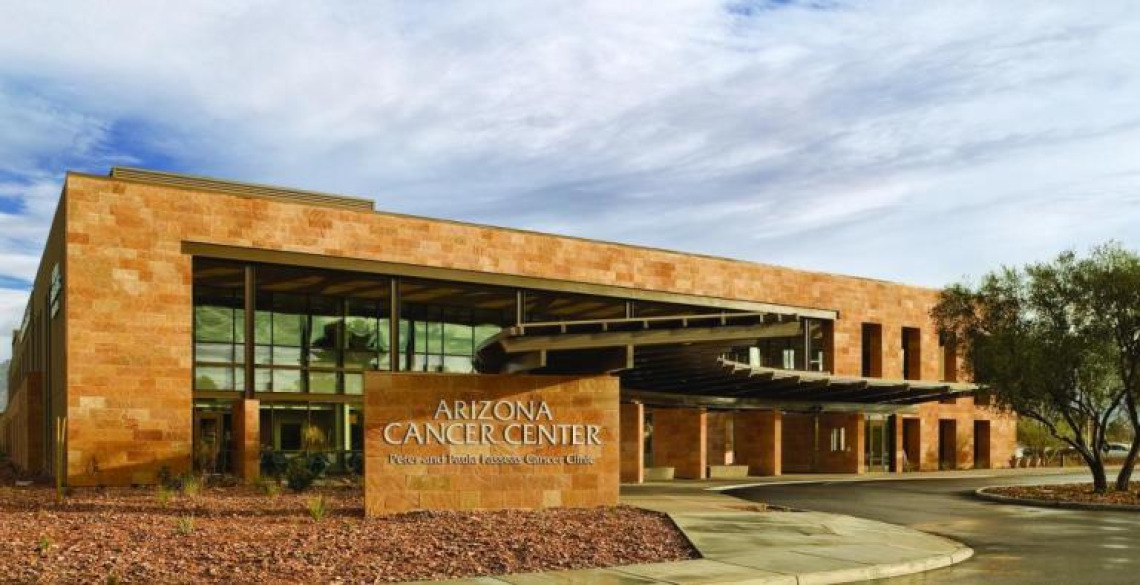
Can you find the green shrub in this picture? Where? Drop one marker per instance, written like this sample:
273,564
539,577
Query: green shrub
164,495
44,544
300,475
269,487
317,508
190,485
184,525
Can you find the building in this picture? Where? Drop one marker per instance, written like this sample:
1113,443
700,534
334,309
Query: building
179,321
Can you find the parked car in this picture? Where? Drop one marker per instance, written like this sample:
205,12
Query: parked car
1117,448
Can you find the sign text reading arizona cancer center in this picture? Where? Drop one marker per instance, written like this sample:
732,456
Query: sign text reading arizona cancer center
464,442
471,423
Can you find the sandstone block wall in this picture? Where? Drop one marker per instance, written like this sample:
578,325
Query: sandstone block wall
632,443
679,438
759,435
396,485
129,318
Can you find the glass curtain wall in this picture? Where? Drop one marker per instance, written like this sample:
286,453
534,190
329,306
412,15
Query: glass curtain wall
318,332
219,327
442,324
332,431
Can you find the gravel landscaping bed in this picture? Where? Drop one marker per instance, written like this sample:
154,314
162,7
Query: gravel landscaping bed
244,535
1081,493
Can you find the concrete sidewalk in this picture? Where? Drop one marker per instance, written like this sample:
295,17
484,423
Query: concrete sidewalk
742,543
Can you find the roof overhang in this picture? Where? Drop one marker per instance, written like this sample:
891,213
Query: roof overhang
686,357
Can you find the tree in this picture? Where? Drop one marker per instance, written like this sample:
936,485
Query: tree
1111,279
1032,338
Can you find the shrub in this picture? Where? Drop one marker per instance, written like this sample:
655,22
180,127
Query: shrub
165,477
164,495
44,544
112,579
317,508
184,525
191,485
269,487
299,475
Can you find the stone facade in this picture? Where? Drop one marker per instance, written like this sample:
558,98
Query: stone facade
759,441
22,425
423,482
127,377
632,442
679,438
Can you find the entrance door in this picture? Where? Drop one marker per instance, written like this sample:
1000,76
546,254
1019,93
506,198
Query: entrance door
876,452
210,441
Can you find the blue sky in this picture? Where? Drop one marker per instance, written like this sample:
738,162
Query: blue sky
912,141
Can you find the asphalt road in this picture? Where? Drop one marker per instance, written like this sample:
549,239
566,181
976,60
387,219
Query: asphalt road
1012,544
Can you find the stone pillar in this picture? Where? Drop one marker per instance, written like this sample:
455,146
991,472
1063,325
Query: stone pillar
759,438
841,437
679,438
632,443
717,443
247,439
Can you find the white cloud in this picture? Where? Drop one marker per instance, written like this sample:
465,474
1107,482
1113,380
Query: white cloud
911,141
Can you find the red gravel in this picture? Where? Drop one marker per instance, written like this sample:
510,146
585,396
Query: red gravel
241,535
1071,492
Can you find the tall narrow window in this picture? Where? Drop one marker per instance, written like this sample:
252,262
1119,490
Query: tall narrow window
872,345
219,327
911,353
948,359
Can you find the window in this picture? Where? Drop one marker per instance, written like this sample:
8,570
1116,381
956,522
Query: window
55,290
838,439
442,324
219,325
911,353
319,343
444,339
872,346
817,344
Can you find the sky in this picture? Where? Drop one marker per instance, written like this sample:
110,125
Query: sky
922,142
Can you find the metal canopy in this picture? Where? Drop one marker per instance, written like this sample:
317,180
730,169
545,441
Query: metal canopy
687,357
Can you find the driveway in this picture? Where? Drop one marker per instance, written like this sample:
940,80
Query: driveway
1013,544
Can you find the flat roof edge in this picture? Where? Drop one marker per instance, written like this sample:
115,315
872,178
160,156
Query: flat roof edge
241,189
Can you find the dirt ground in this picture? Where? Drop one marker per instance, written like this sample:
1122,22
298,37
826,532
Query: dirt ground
1071,492
243,535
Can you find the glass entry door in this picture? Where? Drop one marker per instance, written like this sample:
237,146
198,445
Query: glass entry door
211,441
876,453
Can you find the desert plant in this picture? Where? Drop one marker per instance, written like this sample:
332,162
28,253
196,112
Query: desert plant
44,544
60,452
269,487
190,485
164,495
112,579
184,525
313,438
299,475
317,508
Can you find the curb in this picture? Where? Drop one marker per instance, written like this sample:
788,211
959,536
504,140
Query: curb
981,493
